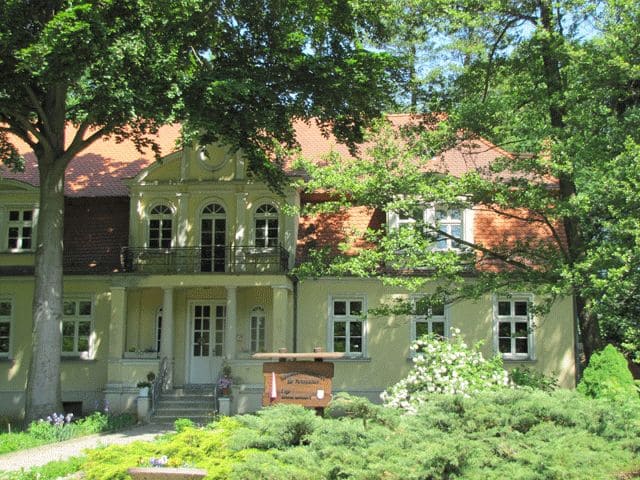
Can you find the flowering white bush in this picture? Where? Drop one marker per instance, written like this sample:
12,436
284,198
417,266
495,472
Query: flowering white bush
445,366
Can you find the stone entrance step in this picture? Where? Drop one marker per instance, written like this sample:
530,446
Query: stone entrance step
195,402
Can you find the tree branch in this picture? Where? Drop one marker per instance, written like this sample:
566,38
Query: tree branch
78,144
482,249
38,106
20,133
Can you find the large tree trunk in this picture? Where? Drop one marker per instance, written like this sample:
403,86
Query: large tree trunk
43,395
589,329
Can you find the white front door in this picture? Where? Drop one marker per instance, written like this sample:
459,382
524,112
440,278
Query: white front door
206,342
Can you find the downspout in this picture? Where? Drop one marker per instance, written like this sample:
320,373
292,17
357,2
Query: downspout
576,339
295,313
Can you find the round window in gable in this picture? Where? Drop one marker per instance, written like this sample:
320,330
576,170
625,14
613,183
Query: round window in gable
213,157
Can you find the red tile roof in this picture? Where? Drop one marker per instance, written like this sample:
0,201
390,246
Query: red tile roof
99,170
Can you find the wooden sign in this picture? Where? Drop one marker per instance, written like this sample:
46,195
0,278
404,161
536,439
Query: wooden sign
301,383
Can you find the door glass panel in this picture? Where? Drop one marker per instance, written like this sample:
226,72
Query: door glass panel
201,331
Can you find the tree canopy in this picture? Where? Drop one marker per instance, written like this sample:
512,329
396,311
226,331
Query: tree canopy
238,71
557,84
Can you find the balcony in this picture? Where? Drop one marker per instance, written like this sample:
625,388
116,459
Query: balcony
214,259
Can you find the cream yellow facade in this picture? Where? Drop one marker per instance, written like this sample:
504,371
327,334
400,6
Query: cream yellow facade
205,280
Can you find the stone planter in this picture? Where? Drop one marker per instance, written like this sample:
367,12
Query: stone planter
152,473
224,406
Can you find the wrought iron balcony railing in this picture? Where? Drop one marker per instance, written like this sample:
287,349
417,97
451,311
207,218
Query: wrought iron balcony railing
214,259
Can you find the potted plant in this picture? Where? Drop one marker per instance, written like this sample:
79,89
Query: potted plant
144,385
225,381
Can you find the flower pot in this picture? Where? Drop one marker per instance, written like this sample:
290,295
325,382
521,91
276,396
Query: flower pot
226,392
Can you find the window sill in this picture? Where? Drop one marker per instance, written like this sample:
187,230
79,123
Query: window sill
351,359
512,360
77,358
7,360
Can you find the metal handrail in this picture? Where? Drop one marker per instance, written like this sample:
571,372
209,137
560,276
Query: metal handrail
159,384
214,259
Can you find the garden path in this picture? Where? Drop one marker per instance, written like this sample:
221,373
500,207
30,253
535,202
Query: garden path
37,456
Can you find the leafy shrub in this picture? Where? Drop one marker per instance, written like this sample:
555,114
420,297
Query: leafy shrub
181,424
608,376
445,366
527,377
55,428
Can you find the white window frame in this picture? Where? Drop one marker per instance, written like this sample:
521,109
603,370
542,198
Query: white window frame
429,218
266,216
258,343
429,319
162,217
348,318
20,224
76,318
513,319
8,319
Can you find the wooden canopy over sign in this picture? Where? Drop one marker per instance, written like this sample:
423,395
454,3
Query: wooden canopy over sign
306,383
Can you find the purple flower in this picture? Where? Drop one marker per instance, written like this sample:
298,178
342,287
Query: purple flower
159,462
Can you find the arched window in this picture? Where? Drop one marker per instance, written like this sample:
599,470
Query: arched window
257,320
266,223
213,232
160,227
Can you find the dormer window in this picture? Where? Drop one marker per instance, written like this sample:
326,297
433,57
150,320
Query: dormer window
160,227
266,226
450,222
456,222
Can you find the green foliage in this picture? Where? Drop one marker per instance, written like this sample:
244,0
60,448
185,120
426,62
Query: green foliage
608,376
181,424
42,432
51,471
528,377
279,427
445,366
519,433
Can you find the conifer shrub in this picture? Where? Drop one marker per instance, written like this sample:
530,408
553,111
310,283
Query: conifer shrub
495,434
524,376
279,427
608,376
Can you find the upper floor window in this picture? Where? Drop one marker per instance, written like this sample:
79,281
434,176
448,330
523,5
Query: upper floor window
428,319
347,325
160,227
77,327
20,229
513,327
213,233
449,222
257,320
266,226
6,315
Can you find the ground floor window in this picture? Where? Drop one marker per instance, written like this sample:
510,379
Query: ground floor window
513,327
257,322
6,311
348,325
77,327
428,319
